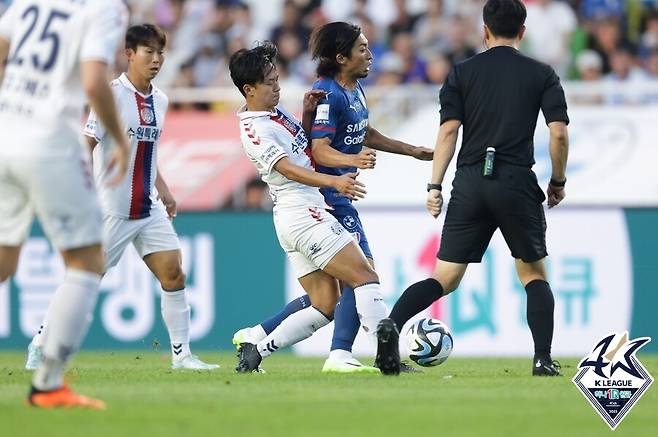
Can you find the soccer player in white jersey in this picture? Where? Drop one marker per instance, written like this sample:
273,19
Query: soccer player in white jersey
141,208
318,247
56,51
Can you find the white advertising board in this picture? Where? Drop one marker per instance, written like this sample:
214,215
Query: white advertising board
589,267
612,158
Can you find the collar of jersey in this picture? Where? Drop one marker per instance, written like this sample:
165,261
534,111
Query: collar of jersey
244,114
123,80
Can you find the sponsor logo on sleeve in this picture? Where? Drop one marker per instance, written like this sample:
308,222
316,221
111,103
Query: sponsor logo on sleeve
322,112
269,154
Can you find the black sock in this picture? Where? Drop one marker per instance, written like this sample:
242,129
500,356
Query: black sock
415,299
540,310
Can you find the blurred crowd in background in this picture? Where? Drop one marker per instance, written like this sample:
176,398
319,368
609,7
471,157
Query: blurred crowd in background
413,41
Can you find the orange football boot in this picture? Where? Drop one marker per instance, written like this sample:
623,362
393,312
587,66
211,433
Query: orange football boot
62,397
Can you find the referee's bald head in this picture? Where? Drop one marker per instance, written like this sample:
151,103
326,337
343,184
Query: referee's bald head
504,18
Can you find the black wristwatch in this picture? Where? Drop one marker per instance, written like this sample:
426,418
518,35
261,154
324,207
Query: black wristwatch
434,187
558,184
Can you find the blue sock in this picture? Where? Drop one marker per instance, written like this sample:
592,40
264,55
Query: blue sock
346,322
295,305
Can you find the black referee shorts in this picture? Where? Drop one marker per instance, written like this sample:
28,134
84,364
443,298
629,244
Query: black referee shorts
511,201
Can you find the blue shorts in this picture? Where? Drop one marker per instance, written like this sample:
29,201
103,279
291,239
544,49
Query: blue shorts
349,218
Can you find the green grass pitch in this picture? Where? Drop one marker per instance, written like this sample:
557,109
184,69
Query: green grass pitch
463,397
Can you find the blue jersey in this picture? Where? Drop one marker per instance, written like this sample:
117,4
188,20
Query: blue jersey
341,116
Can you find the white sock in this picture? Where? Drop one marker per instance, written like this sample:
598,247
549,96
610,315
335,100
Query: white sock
294,328
340,355
257,333
370,306
69,315
40,337
176,315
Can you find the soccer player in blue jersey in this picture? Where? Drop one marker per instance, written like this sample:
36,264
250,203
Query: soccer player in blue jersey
342,142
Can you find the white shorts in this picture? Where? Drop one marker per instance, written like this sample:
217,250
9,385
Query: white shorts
311,237
149,235
60,191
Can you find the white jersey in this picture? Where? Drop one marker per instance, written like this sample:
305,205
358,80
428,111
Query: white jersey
269,136
42,98
143,117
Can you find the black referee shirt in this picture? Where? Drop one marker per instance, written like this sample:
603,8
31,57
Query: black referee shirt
497,95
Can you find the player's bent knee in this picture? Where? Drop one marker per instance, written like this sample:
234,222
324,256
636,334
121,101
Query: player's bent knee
528,278
364,275
89,259
531,271
327,310
325,300
449,286
174,279
448,282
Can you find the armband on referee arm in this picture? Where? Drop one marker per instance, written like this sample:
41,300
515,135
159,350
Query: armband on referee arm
434,187
558,184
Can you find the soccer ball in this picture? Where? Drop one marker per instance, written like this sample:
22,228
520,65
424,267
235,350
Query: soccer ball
429,342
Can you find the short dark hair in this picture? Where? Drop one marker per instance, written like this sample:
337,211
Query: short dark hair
148,35
329,41
504,18
249,67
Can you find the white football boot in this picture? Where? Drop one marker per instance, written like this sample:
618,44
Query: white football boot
340,361
192,362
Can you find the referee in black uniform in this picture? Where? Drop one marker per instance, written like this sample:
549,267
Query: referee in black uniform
496,95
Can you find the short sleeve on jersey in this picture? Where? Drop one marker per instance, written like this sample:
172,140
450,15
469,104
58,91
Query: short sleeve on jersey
7,21
266,152
553,102
326,118
106,28
452,104
94,128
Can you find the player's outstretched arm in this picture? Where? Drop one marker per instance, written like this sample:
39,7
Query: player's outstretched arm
327,156
4,53
345,184
559,151
446,142
377,140
94,81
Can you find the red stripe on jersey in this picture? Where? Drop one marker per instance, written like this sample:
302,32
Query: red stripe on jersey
138,182
323,129
287,124
309,153
140,200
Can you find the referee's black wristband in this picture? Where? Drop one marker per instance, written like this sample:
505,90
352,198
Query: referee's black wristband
558,184
434,187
